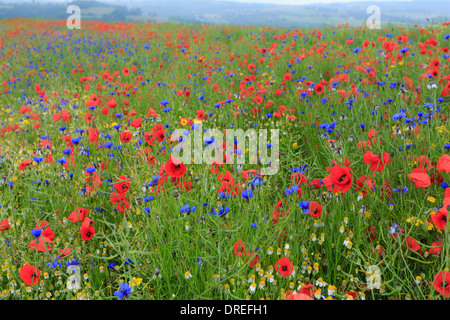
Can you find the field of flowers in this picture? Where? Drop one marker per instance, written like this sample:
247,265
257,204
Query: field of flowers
94,205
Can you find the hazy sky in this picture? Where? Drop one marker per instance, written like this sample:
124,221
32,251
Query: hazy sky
287,2
300,2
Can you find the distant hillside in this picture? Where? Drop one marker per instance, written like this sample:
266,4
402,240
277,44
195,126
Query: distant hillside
90,10
234,13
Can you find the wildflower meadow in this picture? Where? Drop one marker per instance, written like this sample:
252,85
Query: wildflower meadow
170,161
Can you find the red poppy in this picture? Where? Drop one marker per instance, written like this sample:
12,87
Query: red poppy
436,248
315,183
174,167
136,123
4,225
157,127
441,283
185,185
298,178
38,244
239,248
412,244
318,88
436,178
372,133
93,101
364,145
125,137
78,215
152,113
122,184
56,117
340,179
308,289
440,218
371,233
87,233
93,135
25,164
149,138
376,161
443,163
340,161
64,252
279,211
160,135
65,115
48,233
297,296
201,115
254,261
111,103
30,274
287,77
365,184
116,197
420,179
315,209
425,163
123,205
284,266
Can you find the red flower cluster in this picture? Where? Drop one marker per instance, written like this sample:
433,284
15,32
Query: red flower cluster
122,185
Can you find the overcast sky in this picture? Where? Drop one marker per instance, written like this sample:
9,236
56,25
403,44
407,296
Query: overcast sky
287,2
299,2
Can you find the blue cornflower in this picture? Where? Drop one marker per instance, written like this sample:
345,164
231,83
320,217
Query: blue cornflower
186,209
36,232
75,140
223,211
247,194
90,169
304,205
257,181
124,291
73,262
288,191
395,229
54,264
402,190
67,151
224,195
209,140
